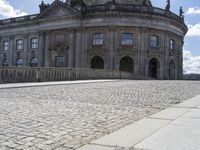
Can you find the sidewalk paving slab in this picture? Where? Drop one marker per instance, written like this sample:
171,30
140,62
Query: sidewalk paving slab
175,128
36,84
132,134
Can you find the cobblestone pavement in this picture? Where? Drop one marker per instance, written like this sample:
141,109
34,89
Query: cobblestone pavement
65,117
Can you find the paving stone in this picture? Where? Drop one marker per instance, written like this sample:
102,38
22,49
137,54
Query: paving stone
75,114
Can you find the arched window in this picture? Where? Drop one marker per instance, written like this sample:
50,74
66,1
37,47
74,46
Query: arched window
34,62
19,62
126,64
97,63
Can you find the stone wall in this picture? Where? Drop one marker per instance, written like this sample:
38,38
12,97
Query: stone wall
16,75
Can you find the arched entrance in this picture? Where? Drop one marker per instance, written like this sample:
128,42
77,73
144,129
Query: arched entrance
154,67
97,63
126,64
172,70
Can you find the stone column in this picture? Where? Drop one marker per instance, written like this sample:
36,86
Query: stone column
84,49
41,49
78,48
26,48
46,50
166,54
142,52
71,48
116,46
11,51
111,51
162,56
180,60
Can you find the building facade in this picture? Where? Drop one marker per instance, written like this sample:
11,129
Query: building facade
126,35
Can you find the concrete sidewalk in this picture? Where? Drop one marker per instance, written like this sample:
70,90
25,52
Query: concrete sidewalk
175,128
36,84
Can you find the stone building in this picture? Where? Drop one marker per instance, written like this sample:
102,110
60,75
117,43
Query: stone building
127,35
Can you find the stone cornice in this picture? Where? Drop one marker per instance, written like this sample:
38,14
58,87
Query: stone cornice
80,17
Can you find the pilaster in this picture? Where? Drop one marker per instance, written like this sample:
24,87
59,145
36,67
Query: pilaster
41,49
11,51
25,52
71,48
142,51
111,52
78,48
46,50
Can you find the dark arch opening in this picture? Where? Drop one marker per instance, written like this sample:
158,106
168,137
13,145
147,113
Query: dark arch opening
126,64
154,68
97,63
172,70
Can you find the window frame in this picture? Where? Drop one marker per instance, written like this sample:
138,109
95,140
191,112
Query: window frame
34,44
97,41
127,41
19,44
152,42
57,63
6,46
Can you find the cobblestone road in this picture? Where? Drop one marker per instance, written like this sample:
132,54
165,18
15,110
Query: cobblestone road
65,117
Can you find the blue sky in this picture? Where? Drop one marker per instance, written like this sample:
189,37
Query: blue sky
192,19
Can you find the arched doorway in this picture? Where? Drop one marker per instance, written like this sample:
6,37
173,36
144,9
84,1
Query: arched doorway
97,63
126,64
172,70
154,67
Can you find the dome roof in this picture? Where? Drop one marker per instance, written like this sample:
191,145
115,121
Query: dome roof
136,2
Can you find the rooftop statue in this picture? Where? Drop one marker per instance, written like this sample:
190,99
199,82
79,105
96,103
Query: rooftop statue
168,5
181,13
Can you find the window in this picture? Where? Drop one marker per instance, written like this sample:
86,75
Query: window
97,39
154,41
34,62
172,44
6,46
127,39
20,44
19,62
34,43
60,61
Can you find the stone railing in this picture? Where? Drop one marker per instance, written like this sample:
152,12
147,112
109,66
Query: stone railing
130,8
16,75
19,19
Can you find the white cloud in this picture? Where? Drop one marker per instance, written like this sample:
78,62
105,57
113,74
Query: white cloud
193,11
193,30
8,11
191,64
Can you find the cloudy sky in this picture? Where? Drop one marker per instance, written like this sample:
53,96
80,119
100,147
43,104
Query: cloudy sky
13,8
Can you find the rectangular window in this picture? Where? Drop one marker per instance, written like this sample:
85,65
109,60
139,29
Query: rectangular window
172,44
20,44
60,61
97,39
34,43
154,41
127,39
6,46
